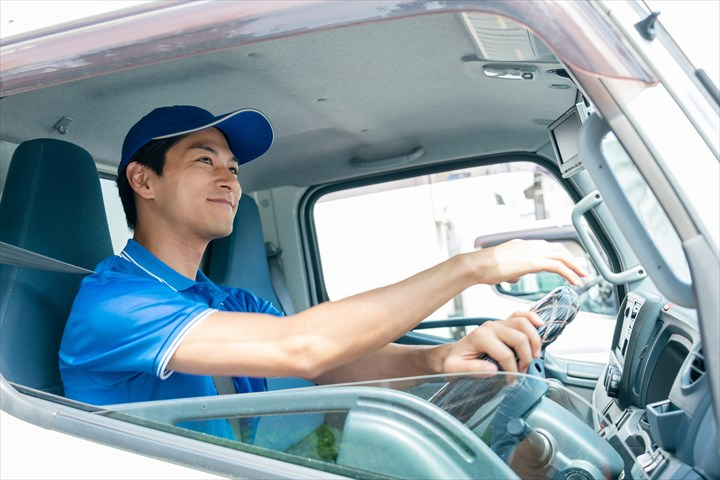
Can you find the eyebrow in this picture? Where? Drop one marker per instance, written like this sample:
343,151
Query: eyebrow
210,149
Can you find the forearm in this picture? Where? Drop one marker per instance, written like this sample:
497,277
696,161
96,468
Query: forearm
355,326
333,334
391,361
323,337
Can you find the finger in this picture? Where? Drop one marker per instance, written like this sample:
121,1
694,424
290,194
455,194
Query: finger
528,323
519,342
503,344
475,366
570,260
518,257
557,266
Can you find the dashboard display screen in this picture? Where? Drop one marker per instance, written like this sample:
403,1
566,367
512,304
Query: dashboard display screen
564,133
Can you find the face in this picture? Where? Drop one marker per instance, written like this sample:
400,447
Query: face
197,195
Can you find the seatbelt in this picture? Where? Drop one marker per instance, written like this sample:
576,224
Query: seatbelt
277,278
226,386
19,257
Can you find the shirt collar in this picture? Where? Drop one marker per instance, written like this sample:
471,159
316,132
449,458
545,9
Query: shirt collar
153,266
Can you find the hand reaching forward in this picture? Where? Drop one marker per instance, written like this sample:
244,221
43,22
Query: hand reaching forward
511,260
503,341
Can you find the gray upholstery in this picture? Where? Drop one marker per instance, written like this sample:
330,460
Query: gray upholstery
372,91
239,260
52,204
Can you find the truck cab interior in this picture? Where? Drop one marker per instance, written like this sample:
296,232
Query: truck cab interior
404,134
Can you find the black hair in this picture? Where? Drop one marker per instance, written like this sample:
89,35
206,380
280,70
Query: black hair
152,155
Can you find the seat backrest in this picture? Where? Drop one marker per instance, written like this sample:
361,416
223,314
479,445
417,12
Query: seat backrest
240,260
52,204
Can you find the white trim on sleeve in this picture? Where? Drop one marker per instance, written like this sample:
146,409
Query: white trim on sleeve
162,372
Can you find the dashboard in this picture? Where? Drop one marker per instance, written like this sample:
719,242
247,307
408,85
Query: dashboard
655,394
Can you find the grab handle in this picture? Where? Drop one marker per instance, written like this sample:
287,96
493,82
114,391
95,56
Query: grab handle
632,274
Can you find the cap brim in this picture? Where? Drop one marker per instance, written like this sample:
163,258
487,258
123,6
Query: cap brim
249,133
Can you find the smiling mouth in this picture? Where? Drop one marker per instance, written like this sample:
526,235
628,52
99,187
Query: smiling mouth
223,201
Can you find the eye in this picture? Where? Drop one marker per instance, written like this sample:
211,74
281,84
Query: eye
233,170
206,160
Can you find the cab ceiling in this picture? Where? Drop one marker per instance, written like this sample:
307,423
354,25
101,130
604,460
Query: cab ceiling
370,92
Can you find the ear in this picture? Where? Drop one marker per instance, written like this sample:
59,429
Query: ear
141,180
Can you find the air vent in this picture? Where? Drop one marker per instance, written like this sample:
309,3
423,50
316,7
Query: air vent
695,369
498,39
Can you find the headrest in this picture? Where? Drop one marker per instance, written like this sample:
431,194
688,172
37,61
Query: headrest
53,205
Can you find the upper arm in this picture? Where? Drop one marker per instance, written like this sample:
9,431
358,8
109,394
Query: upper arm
242,344
127,326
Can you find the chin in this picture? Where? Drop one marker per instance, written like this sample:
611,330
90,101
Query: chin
221,233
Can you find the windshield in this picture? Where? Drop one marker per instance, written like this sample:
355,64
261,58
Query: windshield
649,210
683,20
498,426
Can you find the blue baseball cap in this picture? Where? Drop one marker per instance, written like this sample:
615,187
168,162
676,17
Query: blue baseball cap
248,132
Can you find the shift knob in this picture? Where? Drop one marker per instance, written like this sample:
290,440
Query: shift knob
557,309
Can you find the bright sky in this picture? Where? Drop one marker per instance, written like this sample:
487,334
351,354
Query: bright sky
695,24
20,16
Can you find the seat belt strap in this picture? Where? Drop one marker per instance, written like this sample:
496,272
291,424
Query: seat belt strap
226,386
277,278
20,257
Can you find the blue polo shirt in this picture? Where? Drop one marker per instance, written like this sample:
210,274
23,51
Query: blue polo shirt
127,321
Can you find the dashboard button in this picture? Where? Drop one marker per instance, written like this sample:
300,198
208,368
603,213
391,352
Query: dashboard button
613,377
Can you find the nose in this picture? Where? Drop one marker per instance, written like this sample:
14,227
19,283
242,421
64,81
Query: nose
229,180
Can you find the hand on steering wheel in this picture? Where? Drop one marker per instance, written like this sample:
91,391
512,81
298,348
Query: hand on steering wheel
462,397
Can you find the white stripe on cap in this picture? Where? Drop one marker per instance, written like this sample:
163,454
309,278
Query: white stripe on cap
192,130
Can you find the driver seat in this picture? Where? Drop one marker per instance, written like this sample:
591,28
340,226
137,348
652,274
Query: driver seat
52,205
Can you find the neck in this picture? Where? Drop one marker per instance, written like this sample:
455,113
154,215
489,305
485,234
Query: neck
176,251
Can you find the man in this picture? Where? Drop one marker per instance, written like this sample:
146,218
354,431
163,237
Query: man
149,325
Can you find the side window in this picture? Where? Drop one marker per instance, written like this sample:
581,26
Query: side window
379,234
115,215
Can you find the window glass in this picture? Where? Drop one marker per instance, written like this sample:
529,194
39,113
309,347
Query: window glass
6,152
119,232
396,228
379,234
436,426
649,210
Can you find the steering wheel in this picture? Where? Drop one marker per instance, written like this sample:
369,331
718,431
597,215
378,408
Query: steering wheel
498,407
462,397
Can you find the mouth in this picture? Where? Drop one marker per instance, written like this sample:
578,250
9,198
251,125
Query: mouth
223,201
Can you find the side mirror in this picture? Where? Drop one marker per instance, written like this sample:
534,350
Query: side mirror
596,295
536,285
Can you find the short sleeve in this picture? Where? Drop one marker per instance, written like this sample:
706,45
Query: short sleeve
128,325
243,300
